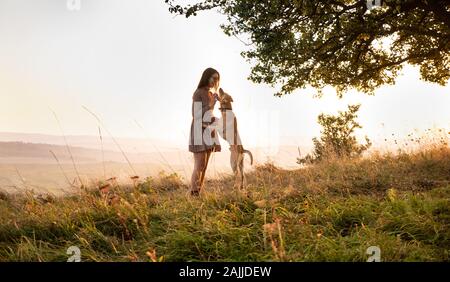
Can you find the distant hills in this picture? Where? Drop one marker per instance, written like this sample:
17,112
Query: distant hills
90,142
28,148
26,160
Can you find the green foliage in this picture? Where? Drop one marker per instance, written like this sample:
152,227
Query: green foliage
337,138
340,43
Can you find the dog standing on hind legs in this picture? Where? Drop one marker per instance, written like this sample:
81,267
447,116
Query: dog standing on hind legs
228,131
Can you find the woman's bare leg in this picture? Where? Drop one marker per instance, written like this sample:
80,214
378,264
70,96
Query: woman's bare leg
199,168
208,155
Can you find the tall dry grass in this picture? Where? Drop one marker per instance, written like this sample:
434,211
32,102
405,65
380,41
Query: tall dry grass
331,211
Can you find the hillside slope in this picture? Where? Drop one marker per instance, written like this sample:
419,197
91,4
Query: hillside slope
332,211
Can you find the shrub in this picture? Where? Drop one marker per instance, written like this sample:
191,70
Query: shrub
337,138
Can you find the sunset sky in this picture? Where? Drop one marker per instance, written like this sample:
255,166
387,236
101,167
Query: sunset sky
133,60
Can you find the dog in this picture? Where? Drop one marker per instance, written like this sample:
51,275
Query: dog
228,131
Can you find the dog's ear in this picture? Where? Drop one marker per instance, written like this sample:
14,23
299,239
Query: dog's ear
231,99
221,91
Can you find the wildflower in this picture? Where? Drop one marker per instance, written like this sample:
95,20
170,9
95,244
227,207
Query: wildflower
104,188
290,190
261,203
114,200
270,228
133,257
152,255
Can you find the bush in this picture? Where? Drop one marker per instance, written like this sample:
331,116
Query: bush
337,138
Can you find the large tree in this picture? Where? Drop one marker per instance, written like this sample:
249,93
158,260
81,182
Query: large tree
343,43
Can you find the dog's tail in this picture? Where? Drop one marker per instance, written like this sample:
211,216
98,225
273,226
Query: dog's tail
250,154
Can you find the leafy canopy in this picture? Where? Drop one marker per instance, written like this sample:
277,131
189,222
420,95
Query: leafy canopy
342,43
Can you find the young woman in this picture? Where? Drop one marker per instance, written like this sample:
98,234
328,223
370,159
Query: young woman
203,140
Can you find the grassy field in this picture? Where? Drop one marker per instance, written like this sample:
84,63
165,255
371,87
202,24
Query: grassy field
332,211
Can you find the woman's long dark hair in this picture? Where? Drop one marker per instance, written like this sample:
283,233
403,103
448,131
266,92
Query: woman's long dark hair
207,74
